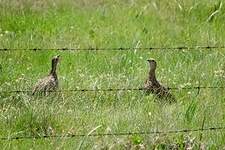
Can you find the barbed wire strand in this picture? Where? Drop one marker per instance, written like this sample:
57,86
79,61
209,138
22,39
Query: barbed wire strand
115,134
114,48
116,89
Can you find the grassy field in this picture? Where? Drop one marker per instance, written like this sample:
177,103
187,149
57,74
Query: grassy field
105,24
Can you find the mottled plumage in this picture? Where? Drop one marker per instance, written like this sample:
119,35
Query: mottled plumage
49,83
153,86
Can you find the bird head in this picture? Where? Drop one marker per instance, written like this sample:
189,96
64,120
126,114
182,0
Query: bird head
152,63
55,59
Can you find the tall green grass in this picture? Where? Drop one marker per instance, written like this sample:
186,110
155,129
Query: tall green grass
83,24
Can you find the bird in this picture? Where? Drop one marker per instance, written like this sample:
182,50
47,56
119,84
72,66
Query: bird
50,82
153,86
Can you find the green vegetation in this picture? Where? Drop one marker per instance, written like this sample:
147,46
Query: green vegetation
98,23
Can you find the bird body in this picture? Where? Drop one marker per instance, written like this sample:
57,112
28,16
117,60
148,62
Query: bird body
153,86
50,82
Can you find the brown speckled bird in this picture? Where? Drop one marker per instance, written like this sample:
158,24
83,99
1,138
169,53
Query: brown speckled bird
49,83
154,87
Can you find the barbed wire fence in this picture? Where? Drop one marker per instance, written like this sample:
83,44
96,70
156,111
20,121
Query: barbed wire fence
116,133
114,48
115,89
68,135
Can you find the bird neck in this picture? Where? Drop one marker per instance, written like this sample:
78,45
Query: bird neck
53,70
152,75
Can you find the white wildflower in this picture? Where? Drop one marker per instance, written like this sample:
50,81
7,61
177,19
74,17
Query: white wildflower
7,32
219,73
